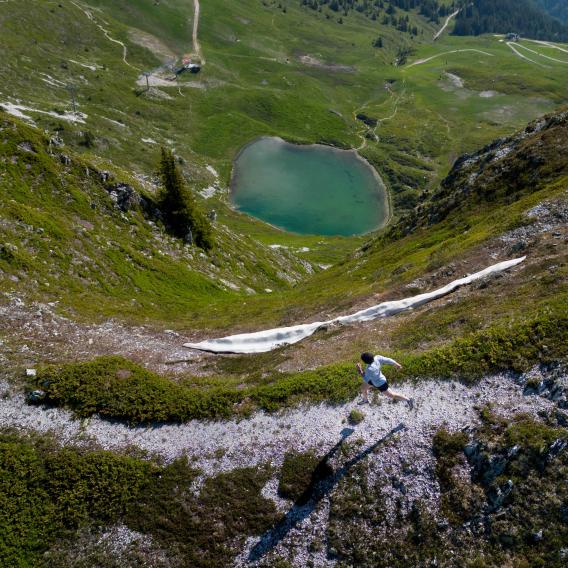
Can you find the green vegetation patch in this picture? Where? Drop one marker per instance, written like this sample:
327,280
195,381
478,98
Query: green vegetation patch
202,529
49,495
299,472
46,492
117,388
356,417
447,447
515,346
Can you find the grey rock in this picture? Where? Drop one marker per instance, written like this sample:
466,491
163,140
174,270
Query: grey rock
497,495
472,450
36,396
561,418
26,147
125,196
556,448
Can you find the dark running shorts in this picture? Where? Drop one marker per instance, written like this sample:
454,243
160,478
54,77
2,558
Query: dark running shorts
382,388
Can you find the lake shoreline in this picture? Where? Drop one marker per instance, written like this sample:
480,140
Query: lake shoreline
382,187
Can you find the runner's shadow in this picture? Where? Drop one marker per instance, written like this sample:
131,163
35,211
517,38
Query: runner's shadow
324,479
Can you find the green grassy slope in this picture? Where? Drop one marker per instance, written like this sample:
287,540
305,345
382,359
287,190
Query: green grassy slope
63,239
294,74
97,260
448,97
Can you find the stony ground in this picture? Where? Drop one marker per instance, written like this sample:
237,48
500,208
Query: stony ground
407,459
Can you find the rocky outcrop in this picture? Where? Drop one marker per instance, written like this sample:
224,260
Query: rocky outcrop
501,171
124,196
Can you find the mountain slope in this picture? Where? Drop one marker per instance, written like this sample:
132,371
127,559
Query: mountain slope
93,242
503,16
195,468
556,8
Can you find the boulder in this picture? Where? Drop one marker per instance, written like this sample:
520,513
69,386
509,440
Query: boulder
125,196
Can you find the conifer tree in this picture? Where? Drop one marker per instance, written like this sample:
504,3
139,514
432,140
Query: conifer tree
181,212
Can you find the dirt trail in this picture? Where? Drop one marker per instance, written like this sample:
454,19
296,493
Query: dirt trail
421,61
195,41
90,16
517,52
548,44
216,447
448,19
363,130
542,54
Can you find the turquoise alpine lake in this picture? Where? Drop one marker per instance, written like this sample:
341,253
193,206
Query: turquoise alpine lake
313,189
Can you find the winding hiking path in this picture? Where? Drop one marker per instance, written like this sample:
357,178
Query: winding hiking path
260,438
194,39
548,44
448,20
421,61
216,447
522,56
90,16
363,130
542,54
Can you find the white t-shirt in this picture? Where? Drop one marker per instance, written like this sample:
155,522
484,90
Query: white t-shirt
373,373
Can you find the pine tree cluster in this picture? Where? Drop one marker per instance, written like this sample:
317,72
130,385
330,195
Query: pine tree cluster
181,212
523,17
385,11
556,8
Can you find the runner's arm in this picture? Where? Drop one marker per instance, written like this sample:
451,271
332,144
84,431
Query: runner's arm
389,361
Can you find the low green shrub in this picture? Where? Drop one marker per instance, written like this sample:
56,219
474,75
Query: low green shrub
44,492
297,474
202,529
501,347
356,417
48,493
117,388
447,447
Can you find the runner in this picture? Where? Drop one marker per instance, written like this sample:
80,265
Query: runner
373,377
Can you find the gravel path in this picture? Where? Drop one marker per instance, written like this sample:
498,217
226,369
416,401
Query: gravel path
406,462
266,437
448,19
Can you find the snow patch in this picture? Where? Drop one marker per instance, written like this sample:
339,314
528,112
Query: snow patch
149,141
212,170
209,192
263,341
90,66
114,122
17,111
